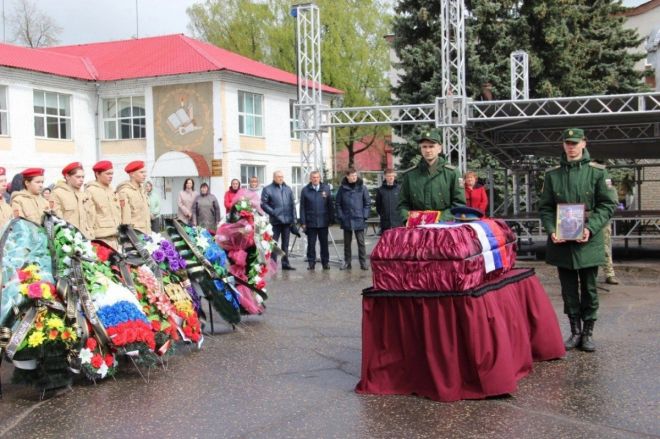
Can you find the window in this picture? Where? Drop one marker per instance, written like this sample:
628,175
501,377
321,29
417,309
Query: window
52,115
250,114
293,121
124,118
296,181
248,171
4,115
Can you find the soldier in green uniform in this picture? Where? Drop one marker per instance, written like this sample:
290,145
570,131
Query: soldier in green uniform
577,180
433,184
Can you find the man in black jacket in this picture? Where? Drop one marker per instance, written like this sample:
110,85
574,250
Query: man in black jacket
352,206
277,202
387,202
316,214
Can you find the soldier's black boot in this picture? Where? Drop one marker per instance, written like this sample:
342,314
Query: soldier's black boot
588,344
576,333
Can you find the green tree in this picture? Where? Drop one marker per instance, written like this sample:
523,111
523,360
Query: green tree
354,53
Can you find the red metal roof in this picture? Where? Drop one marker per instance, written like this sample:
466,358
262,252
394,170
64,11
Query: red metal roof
140,58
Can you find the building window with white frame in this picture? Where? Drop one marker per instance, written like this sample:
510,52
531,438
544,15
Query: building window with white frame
124,118
4,112
52,115
250,114
293,120
249,171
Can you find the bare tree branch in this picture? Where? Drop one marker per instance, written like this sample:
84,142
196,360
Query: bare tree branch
31,27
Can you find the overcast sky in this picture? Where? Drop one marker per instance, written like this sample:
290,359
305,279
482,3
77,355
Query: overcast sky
88,21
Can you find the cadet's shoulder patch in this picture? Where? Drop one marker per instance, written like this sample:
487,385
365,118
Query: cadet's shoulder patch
597,165
448,166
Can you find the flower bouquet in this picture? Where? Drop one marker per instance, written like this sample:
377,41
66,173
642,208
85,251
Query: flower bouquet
176,285
33,332
95,364
115,315
207,268
247,238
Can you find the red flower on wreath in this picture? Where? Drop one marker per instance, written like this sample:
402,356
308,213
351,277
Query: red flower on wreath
109,360
97,361
91,344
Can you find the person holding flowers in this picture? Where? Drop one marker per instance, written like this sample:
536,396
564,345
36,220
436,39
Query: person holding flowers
28,203
71,204
132,199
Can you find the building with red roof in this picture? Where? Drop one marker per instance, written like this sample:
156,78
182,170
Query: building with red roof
185,107
377,157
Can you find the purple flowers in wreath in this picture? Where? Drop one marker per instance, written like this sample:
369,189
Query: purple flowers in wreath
165,253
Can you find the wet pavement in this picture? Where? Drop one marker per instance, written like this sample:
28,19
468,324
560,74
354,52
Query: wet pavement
291,373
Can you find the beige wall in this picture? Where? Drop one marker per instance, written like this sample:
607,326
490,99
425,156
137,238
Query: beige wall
5,143
54,146
121,147
252,143
644,23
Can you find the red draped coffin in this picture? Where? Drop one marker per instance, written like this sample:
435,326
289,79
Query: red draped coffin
453,333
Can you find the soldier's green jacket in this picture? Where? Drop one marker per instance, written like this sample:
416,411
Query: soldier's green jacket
431,188
581,181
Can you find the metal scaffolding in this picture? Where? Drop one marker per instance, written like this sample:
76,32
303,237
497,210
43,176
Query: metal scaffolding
310,98
623,125
519,75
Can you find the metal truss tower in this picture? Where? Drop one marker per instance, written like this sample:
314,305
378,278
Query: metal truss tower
308,108
519,75
451,114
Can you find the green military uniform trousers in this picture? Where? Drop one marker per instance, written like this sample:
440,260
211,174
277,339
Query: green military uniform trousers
580,301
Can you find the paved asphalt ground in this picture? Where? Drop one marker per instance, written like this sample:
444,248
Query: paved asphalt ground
291,373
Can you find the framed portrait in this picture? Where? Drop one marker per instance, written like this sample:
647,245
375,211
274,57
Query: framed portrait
570,221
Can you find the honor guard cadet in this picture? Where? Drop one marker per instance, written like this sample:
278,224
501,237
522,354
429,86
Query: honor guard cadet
28,203
69,202
133,200
105,216
5,210
577,180
433,184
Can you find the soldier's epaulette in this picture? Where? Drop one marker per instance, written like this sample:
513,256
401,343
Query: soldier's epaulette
448,166
554,168
597,165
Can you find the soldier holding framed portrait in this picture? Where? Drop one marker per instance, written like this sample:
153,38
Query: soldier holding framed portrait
576,203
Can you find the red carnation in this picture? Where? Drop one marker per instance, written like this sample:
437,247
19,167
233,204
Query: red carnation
91,344
155,325
97,361
188,331
109,360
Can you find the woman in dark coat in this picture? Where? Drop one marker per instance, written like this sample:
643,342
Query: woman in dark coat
352,206
205,209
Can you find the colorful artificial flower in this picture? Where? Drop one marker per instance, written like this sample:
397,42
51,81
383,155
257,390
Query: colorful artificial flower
36,339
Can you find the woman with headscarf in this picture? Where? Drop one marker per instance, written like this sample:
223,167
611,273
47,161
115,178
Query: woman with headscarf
206,210
231,193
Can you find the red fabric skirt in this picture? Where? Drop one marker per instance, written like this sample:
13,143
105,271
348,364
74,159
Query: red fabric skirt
457,345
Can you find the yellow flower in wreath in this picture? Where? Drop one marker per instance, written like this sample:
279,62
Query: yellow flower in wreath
36,339
55,323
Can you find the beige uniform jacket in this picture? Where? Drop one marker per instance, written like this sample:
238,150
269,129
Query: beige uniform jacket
134,206
5,212
105,212
28,206
73,207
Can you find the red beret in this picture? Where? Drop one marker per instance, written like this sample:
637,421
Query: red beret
33,172
102,166
3,171
70,167
134,166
